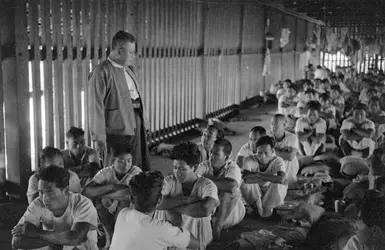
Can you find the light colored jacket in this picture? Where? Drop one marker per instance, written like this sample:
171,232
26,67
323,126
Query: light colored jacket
110,109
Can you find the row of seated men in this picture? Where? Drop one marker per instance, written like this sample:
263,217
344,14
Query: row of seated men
185,209
207,192
326,109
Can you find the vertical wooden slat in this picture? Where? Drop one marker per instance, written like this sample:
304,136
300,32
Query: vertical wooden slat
103,37
162,62
157,79
77,64
2,108
18,172
86,39
174,63
68,63
114,13
165,107
48,80
178,66
151,21
33,17
95,31
58,75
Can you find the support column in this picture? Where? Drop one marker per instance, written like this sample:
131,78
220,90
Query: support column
14,39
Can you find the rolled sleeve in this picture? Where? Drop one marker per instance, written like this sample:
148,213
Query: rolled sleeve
34,213
234,172
86,212
174,236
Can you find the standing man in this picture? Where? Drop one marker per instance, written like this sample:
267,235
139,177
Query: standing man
116,112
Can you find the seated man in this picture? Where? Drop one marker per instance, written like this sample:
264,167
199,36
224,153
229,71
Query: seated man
356,133
249,148
287,103
67,219
227,177
311,130
188,196
328,111
337,100
78,157
377,116
265,185
138,229
370,226
286,146
209,135
48,156
109,187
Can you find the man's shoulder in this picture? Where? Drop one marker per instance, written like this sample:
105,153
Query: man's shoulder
79,201
101,68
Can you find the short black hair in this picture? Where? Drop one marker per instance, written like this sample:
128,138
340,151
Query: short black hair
288,80
120,150
308,82
373,210
375,99
336,87
324,97
325,80
74,133
55,174
258,129
266,140
186,151
313,105
122,37
310,91
361,106
48,153
226,144
146,190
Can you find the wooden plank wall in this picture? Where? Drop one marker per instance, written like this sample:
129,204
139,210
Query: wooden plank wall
194,60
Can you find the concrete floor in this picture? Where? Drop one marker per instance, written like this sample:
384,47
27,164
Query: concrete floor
257,116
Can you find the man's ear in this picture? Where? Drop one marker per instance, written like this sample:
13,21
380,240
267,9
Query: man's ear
66,190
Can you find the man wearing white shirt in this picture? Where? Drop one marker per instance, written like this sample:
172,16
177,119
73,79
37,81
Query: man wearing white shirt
116,111
249,148
137,229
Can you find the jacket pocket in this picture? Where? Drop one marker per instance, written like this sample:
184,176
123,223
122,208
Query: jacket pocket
114,120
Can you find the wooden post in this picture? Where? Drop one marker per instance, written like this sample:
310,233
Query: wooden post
16,92
2,98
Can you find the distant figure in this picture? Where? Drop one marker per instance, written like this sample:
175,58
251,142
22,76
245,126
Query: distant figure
48,156
78,157
116,112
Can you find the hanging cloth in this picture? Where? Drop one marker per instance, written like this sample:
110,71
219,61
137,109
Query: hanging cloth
267,64
285,33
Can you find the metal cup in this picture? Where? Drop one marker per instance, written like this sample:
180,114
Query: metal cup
339,206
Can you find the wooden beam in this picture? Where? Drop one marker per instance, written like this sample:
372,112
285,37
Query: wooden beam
16,92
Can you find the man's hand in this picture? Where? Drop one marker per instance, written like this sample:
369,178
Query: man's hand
28,230
91,168
217,229
247,174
